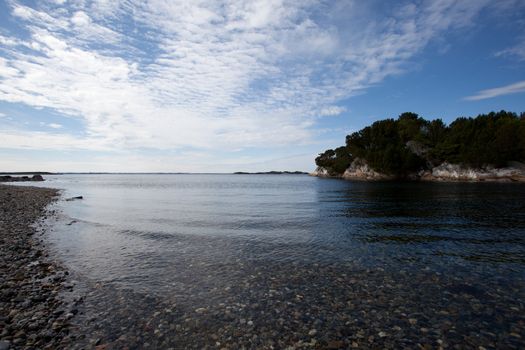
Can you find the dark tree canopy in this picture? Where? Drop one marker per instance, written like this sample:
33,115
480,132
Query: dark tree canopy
336,162
410,143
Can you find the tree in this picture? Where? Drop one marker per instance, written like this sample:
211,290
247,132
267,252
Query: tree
488,139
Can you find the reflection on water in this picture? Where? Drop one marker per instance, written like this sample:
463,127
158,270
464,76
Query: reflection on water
215,242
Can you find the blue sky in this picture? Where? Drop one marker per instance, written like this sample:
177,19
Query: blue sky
220,86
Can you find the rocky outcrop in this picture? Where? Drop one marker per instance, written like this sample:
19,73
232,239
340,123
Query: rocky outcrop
322,172
74,198
453,172
359,170
445,172
9,178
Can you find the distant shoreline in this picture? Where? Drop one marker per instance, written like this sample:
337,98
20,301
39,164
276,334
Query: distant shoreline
156,173
271,173
27,173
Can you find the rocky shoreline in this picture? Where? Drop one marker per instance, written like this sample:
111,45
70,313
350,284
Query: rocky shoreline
9,178
359,170
33,313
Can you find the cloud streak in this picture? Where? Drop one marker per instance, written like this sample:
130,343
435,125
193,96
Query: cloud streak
499,91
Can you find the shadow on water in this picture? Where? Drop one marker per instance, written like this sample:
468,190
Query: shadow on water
475,222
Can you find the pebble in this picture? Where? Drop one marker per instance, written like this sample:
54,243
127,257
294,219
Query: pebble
335,344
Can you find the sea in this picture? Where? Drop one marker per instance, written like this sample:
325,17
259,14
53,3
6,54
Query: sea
365,257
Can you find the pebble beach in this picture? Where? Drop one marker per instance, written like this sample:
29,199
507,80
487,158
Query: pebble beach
33,314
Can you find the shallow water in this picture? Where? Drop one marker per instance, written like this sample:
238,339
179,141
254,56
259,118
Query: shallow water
202,241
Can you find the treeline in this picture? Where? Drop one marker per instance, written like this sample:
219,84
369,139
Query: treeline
410,143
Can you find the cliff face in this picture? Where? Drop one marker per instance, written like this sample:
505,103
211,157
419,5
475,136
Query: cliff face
359,170
445,172
322,172
453,172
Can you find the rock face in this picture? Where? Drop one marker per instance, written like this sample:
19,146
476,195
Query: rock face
453,172
359,170
37,177
322,172
445,172
9,178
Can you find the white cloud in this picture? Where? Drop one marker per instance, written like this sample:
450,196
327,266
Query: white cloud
332,111
81,19
8,41
3,115
516,51
40,18
22,12
43,141
210,74
54,125
499,91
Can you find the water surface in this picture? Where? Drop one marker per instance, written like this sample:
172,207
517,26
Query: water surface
206,242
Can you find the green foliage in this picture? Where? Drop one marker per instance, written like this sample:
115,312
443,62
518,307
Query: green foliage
336,162
383,145
489,139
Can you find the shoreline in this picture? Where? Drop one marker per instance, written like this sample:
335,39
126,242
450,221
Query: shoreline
445,173
33,312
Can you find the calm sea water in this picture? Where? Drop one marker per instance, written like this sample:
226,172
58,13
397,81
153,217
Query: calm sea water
187,237
134,229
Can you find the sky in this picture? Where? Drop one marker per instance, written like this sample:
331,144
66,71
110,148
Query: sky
234,85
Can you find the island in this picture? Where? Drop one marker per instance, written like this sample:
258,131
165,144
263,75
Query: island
489,147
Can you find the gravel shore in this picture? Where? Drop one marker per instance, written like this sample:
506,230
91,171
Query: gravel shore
33,314
311,307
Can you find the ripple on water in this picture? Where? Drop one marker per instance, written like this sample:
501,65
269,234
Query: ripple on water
375,264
